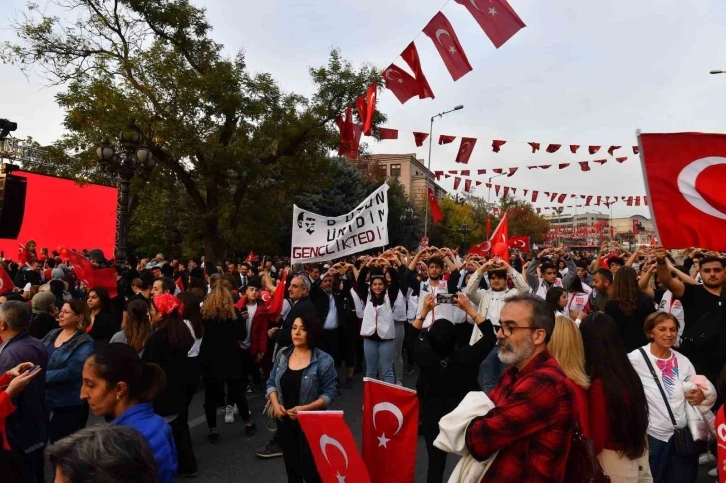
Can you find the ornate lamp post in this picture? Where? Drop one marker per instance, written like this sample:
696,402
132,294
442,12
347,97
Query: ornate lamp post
464,229
130,158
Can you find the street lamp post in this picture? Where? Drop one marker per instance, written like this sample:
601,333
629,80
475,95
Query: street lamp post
428,166
464,229
489,194
132,157
718,71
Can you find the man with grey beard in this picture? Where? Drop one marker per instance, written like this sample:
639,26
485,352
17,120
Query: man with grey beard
534,413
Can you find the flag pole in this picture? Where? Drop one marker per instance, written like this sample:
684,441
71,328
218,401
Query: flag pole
428,166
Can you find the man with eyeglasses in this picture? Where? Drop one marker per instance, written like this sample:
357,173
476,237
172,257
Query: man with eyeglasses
534,415
490,303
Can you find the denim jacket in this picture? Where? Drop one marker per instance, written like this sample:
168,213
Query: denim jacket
318,381
63,380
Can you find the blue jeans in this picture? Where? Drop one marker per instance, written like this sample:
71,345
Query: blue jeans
379,359
490,371
667,466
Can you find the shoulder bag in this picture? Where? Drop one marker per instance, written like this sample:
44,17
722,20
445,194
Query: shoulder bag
682,437
582,463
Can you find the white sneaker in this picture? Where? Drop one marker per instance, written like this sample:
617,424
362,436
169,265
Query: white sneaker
229,415
713,473
707,459
236,411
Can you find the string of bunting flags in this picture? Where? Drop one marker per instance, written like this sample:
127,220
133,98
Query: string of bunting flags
584,166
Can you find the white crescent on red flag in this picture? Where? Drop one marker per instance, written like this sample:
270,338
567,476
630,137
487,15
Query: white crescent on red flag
684,175
496,18
442,34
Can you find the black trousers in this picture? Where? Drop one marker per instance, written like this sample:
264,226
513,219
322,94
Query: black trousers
236,394
299,462
249,368
330,344
349,336
408,328
185,457
66,421
436,457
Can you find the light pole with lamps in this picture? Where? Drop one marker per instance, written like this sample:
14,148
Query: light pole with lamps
428,166
132,157
464,229
489,194
408,218
718,71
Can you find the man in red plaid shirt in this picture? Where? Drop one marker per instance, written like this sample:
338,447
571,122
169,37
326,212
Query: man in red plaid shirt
534,417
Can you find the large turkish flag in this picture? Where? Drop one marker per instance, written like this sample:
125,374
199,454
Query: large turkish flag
684,176
390,431
496,17
442,34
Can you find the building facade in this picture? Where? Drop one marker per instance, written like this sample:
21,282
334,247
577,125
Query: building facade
593,228
412,174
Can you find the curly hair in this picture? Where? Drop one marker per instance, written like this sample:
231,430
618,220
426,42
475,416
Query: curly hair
219,303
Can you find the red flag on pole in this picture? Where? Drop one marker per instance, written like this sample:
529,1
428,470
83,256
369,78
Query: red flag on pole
390,431
6,283
500,239
489,225
442,34
279,296
465,149
684,175
366,106
410,55
436,214
497,19
400,82
333,447
250,257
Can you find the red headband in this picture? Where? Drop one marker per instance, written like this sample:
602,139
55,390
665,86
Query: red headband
167,304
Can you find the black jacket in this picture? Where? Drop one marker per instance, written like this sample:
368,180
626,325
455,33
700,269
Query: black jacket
176,367
343,304
26,427
104,327
302,306
630,326
41,324
219,354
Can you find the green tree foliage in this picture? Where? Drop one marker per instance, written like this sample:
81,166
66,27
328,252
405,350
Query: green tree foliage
232,149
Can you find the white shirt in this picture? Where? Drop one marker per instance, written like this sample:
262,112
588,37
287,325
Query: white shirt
496,302
660,425
286,308
331,321
194,351
251,309
674,307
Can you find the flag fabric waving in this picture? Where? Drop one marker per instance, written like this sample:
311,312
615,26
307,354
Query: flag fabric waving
684,175
496,18
498,244
333,447
465,149
420,137
400,82
88,274
436,214
442,34
6,283
410,56
521,242
390,431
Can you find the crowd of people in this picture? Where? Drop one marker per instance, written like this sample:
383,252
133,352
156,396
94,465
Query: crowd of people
622,348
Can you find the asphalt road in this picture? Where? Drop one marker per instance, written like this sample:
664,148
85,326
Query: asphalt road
232,459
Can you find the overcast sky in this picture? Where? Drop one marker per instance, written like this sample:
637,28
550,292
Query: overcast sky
583,73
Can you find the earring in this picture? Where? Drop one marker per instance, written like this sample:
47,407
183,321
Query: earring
118,398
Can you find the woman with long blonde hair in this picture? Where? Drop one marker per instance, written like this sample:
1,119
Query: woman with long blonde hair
220,360
566,347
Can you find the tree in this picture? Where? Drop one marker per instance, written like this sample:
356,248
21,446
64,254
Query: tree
523,220
233,141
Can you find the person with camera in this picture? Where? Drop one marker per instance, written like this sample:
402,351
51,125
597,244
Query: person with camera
541,285
448,373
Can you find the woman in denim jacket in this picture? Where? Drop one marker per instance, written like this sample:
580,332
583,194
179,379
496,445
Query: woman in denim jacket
68,348
302,379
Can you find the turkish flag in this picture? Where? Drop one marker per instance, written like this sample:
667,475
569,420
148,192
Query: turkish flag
278,297
410,55
684,175
521,242
498,20
444,139
621,160
574,148
390,431
534,196
457,182
465,149
563,165
366,107
593,149
535,147
511,172
250,257
467,185
584,165
6,283
333,447
636,150
386,133
349,135
442,34
91,277
420,137
400,82
438,175
553,148
179,284
497,145
436,214
635,227
600,161
501,236
721,450
489,225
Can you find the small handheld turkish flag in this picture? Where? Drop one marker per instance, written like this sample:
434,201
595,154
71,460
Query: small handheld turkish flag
684,175
390,431
6,283
333,447
179,284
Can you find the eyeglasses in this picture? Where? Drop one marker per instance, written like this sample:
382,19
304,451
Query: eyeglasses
508,330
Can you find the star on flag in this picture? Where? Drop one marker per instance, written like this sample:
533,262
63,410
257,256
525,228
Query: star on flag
341,478
383,441
492,11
